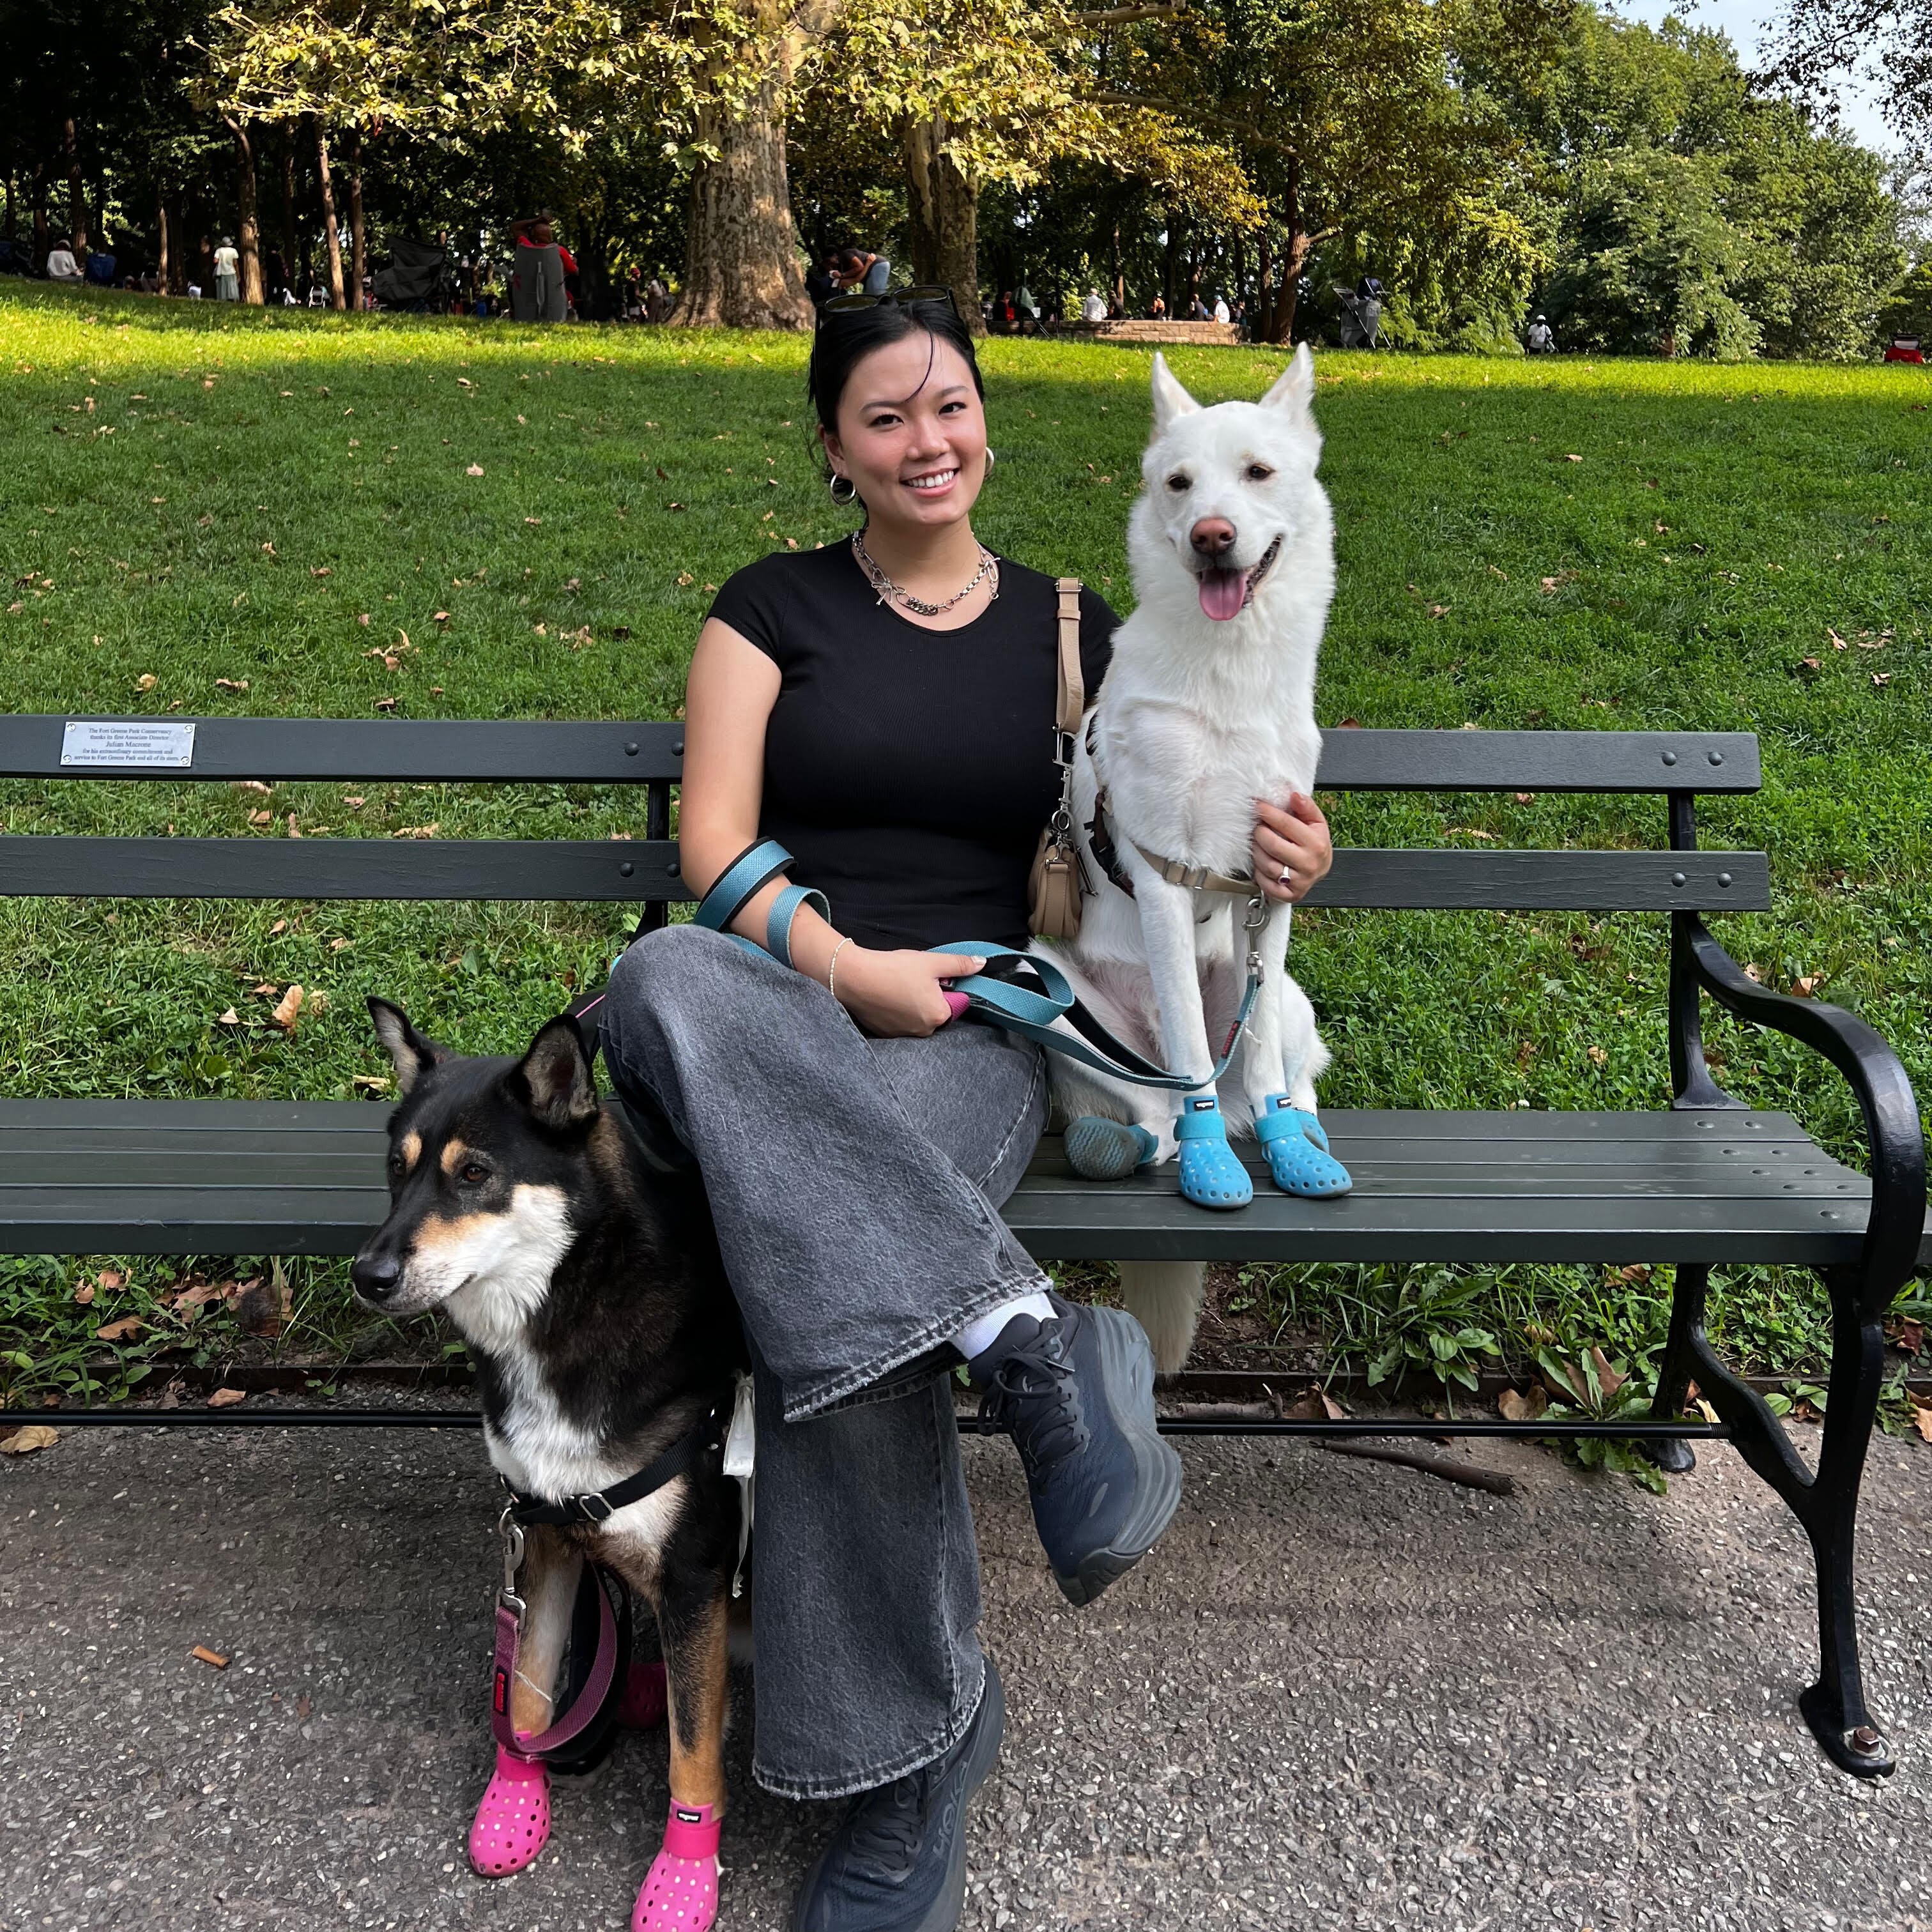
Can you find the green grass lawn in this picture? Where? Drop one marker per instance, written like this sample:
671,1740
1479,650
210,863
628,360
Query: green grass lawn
210,511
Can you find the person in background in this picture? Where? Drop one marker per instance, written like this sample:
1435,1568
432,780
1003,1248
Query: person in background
1093,309
62,267
1157,309
821,282
227,271
1221,313
657,299
858,273
1541,340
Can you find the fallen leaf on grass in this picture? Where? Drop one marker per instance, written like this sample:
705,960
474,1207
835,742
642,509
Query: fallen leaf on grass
24,1442
1909,1335
231,684
1572,457
1922,1420
261,818
146,681
1807,984
377,1083
84,1293
428,831
1880,678
118,1331
385,704
288,1010
280,925
1596,1056
252,785
533,519
1514,1406
230,1018
203,1293
213,1658
226,1398
474,469
303,1706
323,570
441,617
1471,831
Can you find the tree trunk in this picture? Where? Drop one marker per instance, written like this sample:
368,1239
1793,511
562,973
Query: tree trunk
1120,272
359,260
1170,260
741,266
330,230
289,269
945,208
164,267
1281,308
76,201
248,223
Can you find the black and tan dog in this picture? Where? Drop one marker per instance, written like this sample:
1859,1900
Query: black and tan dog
581,1268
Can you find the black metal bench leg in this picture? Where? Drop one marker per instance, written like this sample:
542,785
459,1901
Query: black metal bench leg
1672,1453
1834,1706
1826,1505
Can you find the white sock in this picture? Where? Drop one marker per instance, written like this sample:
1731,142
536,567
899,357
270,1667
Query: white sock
977,1337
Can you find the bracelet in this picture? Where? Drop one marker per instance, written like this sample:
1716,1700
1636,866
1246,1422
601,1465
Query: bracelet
832,966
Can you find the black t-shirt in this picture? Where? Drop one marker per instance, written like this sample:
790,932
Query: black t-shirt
909,771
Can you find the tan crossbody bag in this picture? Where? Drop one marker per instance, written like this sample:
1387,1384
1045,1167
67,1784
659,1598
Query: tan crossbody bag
1056,885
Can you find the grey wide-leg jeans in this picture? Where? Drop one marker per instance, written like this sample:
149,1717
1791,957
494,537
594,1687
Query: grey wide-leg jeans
855,1185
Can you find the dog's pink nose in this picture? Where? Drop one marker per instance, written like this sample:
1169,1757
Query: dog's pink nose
1212,536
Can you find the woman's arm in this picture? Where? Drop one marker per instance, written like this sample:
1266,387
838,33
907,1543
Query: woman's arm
727,706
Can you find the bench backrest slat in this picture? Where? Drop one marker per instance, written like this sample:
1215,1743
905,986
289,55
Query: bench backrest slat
646,870
429,750
340,868
1607,761
516,752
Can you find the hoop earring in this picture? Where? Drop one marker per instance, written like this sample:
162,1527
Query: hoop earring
990,460
842,498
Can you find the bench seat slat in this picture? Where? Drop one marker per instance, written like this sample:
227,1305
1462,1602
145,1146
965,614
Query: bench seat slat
216,1178
529,869
509,750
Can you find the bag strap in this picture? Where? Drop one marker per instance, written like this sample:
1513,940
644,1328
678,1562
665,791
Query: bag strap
1072,700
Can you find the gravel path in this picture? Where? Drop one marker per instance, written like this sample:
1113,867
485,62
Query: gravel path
1340,1695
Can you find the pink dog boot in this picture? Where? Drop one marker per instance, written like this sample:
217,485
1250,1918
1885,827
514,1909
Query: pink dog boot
512,1823
679,1893
644,1702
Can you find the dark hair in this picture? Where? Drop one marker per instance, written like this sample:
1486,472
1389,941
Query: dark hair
846,337
845,257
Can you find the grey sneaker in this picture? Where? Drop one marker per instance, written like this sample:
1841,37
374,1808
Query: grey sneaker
1076,1394
897,1862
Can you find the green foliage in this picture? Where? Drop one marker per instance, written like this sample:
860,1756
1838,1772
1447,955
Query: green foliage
1427,1316
1648,260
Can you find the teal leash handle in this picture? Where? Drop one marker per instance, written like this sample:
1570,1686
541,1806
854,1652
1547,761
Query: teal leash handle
1021,1010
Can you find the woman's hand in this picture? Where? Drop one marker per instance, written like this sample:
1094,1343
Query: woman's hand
1291,848
897,995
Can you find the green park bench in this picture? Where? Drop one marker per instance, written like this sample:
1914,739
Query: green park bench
1707,1183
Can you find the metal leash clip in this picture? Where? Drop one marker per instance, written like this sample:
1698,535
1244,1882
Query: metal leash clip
512,1534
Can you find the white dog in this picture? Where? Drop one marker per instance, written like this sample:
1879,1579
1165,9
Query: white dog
1207,705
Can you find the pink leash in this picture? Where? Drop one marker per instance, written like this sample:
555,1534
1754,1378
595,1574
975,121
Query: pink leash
510,1612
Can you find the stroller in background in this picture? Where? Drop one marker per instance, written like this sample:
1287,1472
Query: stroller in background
1361,313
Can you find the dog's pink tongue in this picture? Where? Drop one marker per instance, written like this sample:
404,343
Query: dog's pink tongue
1223,592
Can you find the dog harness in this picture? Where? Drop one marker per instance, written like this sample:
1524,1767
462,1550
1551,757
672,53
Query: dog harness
1100,837
1023,992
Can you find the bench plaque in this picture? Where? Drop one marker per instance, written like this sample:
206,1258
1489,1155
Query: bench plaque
124,741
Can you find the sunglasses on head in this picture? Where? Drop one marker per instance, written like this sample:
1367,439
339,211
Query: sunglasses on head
921,292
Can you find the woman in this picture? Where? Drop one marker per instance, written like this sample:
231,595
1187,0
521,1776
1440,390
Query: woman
882,708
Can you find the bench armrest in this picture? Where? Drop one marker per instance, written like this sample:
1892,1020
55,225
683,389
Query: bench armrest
1894,1139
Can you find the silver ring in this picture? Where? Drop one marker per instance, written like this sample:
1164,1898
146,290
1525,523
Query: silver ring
1284,879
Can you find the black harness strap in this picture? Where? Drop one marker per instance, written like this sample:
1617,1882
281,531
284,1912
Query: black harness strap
599,1505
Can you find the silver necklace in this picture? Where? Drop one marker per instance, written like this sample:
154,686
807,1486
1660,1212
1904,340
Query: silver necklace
886,587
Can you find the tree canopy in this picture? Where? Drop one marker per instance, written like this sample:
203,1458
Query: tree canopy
1481,158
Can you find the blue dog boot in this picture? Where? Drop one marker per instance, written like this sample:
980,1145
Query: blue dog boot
1210,1175
1297,1145
1104,1149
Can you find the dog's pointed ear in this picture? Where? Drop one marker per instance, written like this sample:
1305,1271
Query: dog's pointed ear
1170,399
1294,388
410,1053
554,1079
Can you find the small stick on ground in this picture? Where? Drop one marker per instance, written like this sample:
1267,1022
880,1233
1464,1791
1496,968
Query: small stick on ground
1469,1475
